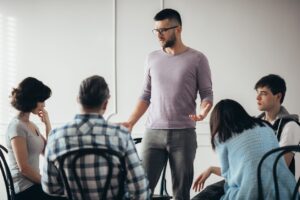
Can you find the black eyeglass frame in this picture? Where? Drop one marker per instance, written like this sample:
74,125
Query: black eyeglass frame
162,30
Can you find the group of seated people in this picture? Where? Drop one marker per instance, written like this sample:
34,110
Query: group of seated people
239,140
241,155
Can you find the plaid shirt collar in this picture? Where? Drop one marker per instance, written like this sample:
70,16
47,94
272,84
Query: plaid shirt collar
88,116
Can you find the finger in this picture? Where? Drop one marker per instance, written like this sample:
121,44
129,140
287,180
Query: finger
199,187
199,117
196,187
203,180
41,116
198,178
196,182
193,118
196,117
40,112
202,186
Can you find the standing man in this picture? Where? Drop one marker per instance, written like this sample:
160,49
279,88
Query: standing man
270,95
175,74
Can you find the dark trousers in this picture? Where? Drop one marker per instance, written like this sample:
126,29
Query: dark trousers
36,192
212,192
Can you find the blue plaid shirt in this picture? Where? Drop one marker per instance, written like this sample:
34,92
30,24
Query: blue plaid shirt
91,130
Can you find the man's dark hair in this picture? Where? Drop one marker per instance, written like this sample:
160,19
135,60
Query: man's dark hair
229,118
28,93
93,92
274,82
169,14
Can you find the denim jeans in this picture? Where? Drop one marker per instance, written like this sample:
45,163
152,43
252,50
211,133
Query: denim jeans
179,147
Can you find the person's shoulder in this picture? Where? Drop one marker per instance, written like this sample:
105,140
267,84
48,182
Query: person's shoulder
16,127
265,128
109,128
290,133
59,131
292,125
195,52
158,52
197,56
289,122
15,122
65,126
56,142
115,131
118,128
285,115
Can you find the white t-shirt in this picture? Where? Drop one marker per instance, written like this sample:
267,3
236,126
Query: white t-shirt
290,134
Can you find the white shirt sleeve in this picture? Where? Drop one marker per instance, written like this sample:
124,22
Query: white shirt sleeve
290,134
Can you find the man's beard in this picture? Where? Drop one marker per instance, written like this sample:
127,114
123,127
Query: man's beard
170,43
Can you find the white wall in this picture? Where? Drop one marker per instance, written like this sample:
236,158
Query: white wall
61,42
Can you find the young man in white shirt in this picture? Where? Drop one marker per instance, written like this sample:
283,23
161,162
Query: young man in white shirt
270,95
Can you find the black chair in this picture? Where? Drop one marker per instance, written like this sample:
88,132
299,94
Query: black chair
7,178
163,194
280,151
70,167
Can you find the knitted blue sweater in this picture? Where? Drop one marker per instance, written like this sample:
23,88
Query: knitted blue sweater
239,158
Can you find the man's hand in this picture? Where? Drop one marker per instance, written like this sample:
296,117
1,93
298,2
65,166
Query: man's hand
204,110
128,125
196,117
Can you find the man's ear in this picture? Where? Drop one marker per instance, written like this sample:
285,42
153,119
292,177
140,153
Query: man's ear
279,96
104,105
179,29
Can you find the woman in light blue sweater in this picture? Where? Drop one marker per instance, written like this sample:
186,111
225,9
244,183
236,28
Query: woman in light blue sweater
240,142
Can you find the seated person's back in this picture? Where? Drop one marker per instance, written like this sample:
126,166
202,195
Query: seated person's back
240,142
90,130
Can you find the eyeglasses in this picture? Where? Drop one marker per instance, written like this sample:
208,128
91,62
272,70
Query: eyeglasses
162,30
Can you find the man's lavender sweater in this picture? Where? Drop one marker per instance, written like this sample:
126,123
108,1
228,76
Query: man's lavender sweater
171,86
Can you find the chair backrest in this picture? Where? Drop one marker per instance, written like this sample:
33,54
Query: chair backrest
70,163
280,151
7,178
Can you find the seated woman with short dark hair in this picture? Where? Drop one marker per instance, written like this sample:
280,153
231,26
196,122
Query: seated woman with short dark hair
25,143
